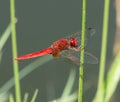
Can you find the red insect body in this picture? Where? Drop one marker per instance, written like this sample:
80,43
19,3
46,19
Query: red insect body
35,54
70,43
54,49
58,46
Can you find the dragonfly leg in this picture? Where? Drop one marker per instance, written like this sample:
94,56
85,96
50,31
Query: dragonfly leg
75,49
78,49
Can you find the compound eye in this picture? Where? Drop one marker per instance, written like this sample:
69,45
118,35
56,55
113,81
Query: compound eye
73,42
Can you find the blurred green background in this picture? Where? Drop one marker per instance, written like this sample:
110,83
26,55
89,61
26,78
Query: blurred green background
40,23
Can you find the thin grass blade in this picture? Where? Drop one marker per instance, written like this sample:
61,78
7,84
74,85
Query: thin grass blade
26,97
113,78
25,71
35,95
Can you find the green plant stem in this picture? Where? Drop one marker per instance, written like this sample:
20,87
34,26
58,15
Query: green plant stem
5,36
100,90
113,78
26,97
80,93
70,82
35,95
14,52
11,99
104,43
26,71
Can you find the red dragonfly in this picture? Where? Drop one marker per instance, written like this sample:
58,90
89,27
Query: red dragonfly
68,47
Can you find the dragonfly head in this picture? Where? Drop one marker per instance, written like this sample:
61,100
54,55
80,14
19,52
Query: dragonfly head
73,42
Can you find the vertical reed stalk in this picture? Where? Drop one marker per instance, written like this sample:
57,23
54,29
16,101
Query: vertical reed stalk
80,90
100,91
14,52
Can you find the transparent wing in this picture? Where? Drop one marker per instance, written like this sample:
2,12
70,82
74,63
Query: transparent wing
89,33
74,57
